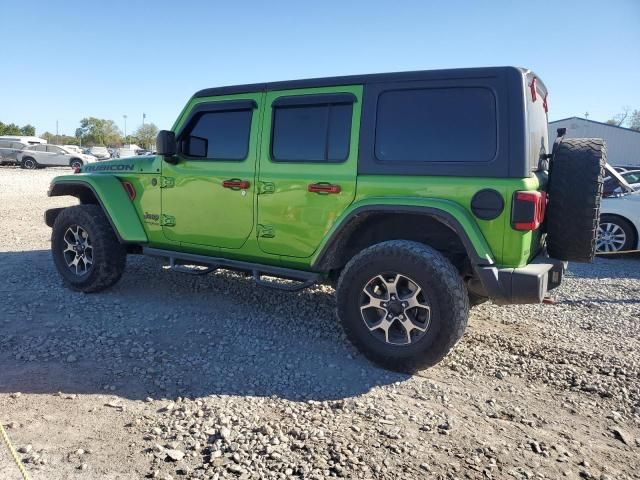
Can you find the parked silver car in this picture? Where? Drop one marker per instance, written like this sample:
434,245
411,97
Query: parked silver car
9,150
35,156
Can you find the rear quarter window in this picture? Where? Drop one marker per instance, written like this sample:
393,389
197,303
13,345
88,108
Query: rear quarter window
538,134
436,125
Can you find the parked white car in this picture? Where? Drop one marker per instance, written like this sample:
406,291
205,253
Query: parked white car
36,156
73,148
619,223
125,152
101,153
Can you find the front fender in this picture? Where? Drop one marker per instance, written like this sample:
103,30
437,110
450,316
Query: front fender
446,211
107,191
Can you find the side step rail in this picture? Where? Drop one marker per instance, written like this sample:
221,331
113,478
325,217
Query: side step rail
178,259
176,267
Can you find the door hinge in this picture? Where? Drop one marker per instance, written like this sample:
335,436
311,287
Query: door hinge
167,182
167,220
266,231
266,187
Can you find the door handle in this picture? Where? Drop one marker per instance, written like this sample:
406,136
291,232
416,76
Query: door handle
235,183
324,187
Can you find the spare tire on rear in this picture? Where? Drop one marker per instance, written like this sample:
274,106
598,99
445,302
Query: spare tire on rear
575,191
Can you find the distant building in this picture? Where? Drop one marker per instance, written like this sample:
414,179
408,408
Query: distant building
623,144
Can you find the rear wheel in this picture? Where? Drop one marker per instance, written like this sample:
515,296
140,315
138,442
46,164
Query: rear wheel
76,163
29,163
85,249
615,234
402,304
575,192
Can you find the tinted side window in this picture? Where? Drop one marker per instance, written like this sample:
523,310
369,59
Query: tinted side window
311,133
52,149
219,136
436,125
4,144
39,148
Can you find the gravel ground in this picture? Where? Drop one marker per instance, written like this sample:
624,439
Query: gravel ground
172,376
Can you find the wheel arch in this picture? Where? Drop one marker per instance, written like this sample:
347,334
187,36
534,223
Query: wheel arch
443,222
107,192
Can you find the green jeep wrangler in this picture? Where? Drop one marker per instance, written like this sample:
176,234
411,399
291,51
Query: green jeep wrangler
417,194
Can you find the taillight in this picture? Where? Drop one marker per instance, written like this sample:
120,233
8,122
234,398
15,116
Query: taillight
534,89
527,210
131,191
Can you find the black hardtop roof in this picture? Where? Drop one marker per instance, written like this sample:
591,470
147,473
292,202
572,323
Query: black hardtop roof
455,73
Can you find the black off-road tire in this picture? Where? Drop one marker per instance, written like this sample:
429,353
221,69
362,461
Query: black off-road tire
29,163
438,279
109,255
575,192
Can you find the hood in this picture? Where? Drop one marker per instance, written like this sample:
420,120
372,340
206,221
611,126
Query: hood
141,164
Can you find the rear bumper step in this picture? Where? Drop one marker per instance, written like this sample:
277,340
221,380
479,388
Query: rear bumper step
177,260
528,284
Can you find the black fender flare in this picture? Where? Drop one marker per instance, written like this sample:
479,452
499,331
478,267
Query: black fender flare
323,258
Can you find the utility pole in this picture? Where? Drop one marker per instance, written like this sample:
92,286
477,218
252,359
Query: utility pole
144,115
57,138
586,115
125,127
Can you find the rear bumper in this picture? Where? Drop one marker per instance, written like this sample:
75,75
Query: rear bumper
528,284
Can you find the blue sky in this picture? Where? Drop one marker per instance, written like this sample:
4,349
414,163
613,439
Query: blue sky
74,59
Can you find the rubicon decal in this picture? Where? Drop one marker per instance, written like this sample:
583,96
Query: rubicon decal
109,168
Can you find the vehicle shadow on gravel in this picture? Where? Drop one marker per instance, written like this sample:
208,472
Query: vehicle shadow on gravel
165,334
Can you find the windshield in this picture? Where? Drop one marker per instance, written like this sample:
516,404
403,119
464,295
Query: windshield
99,149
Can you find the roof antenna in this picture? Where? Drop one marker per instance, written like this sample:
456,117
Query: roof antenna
586,115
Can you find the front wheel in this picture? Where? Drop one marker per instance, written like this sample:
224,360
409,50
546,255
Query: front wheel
86,251
403,304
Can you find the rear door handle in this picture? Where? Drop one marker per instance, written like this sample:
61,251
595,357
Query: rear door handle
236,184
324,187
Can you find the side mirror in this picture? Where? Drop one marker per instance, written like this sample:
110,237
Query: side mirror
166,145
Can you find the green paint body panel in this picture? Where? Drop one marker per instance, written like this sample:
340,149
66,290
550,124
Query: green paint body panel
301,219
114,199
494,238
207,214
277,221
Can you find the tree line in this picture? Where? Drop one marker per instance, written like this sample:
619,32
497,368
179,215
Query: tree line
13,129
627,118
92,131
